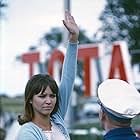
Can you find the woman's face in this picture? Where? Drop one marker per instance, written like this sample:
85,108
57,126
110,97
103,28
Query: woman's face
44,103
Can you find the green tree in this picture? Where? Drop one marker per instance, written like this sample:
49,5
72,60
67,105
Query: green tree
55,37
121,21
3,4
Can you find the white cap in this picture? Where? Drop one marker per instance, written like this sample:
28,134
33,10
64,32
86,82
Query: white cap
119,98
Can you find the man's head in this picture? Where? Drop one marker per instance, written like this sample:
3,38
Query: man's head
120,102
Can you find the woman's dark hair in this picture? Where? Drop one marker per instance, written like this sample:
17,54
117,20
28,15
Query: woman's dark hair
38,83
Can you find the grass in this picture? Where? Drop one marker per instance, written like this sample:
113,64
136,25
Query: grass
14,105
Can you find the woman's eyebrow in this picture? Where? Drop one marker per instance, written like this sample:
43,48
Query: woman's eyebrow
48,93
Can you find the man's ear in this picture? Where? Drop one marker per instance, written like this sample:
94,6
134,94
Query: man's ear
102,115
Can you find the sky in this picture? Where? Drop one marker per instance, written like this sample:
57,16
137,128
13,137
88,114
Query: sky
24,24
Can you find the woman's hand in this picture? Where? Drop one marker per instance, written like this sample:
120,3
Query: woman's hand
72,27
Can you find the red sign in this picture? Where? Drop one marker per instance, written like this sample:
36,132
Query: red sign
86,53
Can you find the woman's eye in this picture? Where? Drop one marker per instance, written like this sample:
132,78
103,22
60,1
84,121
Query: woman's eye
53,95
42,96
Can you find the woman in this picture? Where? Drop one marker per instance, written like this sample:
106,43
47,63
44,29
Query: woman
46,103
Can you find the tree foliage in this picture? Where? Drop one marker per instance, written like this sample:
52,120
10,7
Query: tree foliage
55,37
121,21
3,4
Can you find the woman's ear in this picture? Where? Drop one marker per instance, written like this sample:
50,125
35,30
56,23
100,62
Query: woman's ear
30,102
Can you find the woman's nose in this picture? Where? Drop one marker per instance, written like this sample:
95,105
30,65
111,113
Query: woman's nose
48,100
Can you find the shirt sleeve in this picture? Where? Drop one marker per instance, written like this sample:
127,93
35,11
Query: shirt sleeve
67,78
29,132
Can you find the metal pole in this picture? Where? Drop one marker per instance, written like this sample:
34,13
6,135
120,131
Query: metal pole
65,33
66,5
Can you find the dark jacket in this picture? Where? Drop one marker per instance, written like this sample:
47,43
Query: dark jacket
121,134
